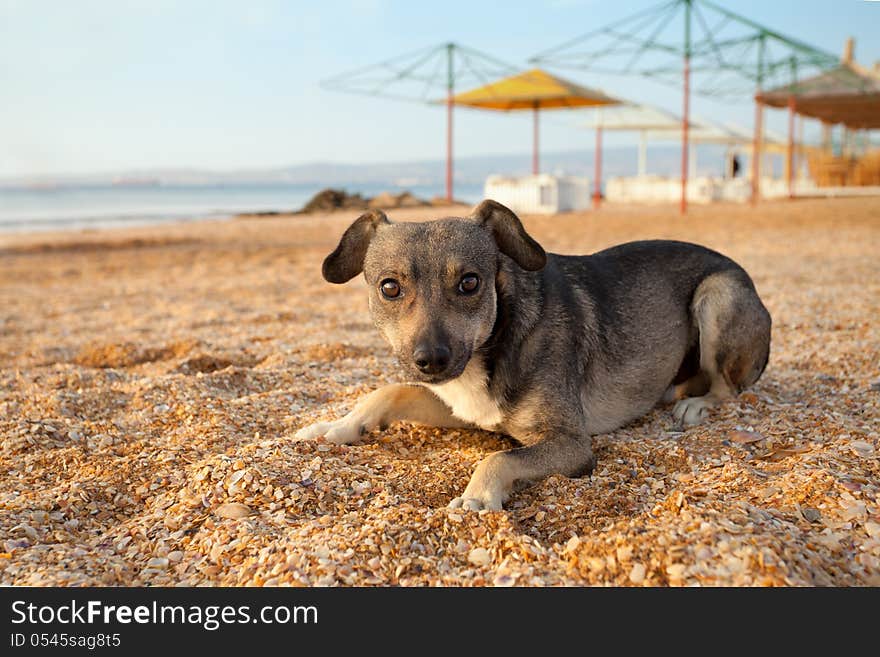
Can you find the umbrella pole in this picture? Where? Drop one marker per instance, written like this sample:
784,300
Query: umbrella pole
790,162
535,141
790,165
685,136
450,89
759,128
692,160
685,119
798,154
756,152
643,154
597,173
449,150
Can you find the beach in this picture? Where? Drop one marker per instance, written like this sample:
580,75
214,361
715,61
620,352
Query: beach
152,378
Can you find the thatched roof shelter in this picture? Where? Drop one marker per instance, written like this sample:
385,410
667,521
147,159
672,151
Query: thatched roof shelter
847,94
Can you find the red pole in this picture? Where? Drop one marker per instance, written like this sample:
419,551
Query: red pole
597,174
791,147
535,145
685,118
685,133
798,154
756,151
449,147
450,91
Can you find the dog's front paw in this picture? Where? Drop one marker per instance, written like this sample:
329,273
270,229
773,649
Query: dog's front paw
341,432
485,490
692,410
489,502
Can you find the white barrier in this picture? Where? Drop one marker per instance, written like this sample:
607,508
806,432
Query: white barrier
547,194
541,194
657,189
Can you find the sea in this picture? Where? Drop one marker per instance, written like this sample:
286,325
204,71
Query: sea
93,207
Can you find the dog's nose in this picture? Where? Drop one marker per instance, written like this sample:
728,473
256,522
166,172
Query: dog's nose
431,359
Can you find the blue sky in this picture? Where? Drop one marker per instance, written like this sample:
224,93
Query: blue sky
105,85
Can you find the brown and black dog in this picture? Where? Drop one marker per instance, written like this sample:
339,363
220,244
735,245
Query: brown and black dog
546,348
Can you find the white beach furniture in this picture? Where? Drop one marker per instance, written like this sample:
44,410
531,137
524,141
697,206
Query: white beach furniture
540,194
660,189
646,188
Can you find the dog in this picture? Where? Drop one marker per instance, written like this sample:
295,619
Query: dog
550,349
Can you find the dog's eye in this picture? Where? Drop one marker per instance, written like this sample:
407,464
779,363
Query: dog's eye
390,288
469,284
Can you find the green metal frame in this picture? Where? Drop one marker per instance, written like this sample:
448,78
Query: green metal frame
424,76
730,55
420,77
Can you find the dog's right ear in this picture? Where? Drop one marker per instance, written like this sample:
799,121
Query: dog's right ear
347,261
510,236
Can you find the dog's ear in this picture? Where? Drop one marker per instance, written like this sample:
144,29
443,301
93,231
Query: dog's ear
510,236
347,260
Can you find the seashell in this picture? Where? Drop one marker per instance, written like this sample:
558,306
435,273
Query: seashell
480,557
232,510
637,574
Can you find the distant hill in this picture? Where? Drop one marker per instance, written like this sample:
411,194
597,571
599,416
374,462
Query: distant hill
616,161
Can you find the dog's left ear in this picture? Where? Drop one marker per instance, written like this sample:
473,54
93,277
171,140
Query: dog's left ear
347,260
510,236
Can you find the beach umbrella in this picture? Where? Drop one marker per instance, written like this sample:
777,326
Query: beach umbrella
629,117
634,117
643,119
533,90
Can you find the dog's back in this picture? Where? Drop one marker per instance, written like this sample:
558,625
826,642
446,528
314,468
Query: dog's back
620,324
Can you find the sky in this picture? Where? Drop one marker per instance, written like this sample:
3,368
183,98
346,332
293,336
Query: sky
118,85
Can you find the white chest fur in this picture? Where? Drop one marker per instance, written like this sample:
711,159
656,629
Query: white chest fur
469,398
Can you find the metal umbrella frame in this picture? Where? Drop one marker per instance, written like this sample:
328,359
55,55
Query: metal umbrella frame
419,76
728,54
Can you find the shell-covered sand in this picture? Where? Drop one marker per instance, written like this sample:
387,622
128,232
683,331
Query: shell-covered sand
151,381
